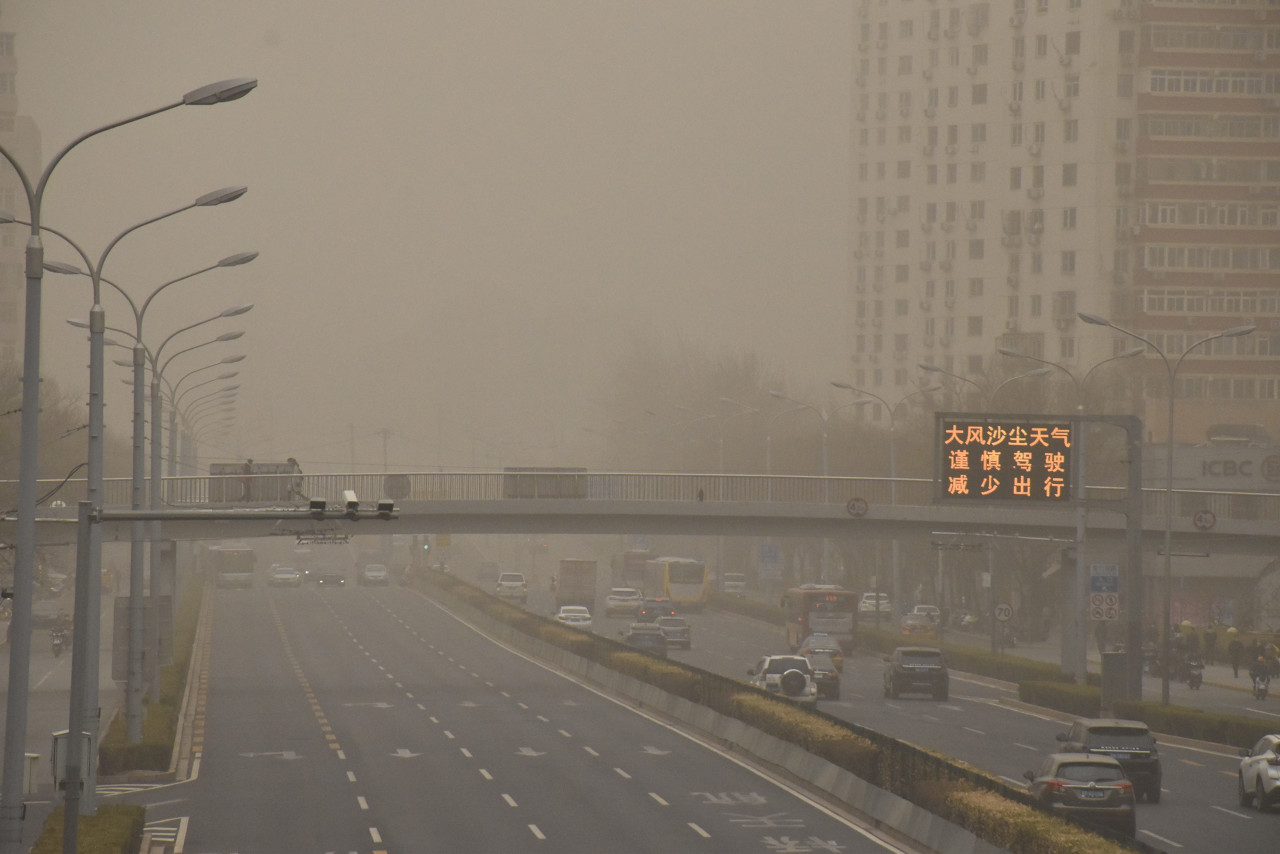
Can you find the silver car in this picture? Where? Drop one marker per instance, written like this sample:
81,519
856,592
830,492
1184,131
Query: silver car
1260,774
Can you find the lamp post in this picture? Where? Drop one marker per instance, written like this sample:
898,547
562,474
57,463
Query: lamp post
892,410
934,369
11,807
1172,370
175,400
1075,657
88,613
133,685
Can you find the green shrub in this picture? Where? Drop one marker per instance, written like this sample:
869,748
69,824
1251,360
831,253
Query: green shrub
1236,730
112,829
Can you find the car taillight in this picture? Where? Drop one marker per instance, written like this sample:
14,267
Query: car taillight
1056,785
1124,786
1273,759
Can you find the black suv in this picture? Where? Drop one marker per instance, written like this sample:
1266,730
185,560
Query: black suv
916,669
1129,742
652,609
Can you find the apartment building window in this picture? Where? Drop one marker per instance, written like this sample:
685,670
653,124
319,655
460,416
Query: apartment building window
977,172
1069,174
901,272
1015,178
979,54
1127,41
904,134
880,170
1019,47
1035,305
1042,6
882,66
864,136
1071,86
931,212
1068,218
976,248
975,326
1037,262
953,96
1041,90
1071,130
904,64
1037,176
904,168
6,44
902,238
1015,135
1042,45
904,28
1038,132
975,287
1071,43
978,209
7,84
932,174
974,364
900,307
1124,129
899,343
949,291
952,172
930,289
1068,261
1016,91
881,136
953,134
1066,347
979,94
978,132
931,135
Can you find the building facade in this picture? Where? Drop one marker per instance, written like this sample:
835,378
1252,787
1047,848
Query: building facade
1018,162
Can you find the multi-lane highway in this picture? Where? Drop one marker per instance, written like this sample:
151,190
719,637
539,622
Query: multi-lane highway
983,724
369,719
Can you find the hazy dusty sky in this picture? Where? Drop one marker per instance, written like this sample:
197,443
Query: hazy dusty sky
464,209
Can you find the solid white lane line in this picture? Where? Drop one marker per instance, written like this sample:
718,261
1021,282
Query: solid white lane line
537,833
700,831
511,802
660,801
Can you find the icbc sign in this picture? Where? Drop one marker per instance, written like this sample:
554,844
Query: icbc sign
1004,458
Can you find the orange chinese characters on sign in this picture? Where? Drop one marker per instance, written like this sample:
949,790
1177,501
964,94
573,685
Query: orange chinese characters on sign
1010,458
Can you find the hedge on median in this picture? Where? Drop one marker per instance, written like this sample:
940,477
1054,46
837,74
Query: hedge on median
112,829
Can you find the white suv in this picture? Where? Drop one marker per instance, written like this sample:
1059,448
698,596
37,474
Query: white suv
623,600
788,675
511,585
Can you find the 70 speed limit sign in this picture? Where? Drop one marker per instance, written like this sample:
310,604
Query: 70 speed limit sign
1004,612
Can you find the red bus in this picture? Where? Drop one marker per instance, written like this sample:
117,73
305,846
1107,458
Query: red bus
826,608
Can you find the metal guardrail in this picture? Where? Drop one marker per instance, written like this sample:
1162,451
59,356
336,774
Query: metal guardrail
746,489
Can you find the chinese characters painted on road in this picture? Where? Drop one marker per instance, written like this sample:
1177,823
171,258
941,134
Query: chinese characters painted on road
1006,458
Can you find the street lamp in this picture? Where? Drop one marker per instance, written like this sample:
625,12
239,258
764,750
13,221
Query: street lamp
1172,370
826,485
89,614
896,578
133,690
1036,372
11,806
934,369
175,399
1075,657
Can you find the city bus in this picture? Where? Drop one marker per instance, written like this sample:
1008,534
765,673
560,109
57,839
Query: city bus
682,580
825,608
231,564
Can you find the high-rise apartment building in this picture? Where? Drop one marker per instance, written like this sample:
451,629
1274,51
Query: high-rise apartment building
1019,161
19,136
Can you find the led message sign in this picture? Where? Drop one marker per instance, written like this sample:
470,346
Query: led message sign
1004,458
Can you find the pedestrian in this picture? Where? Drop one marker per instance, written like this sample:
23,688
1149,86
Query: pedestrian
246,471
1235,650
295,482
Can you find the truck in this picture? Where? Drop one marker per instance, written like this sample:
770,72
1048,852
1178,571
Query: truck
627,568
576,583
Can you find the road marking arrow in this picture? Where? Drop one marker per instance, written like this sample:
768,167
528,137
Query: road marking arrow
404,753
378,705
529,751
468,704
279,754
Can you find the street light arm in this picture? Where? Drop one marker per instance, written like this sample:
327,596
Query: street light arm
226,336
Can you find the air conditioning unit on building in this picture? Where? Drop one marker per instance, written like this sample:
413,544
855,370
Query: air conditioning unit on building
951,149
946,225
1065,60
973,70
1034,149
971,224
1035,193
1015,107
950,303
1019,64
1011,324
930,112
926,305
944,265
1016,21
1012,280
1064,104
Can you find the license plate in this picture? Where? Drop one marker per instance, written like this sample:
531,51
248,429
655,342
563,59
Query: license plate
1091,795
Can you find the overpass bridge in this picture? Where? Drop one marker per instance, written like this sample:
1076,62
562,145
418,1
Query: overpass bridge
585,502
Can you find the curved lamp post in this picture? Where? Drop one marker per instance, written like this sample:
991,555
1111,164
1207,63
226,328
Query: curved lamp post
934,369
1172,369
90,616
1075,657
11,806
133,690
896,578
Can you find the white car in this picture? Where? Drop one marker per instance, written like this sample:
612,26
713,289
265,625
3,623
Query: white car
373,574
624,601
867,604
285,576
1260,774
575,615
790,676
933,612
511,585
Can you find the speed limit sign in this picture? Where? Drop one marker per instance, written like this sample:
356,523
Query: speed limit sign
1004,611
